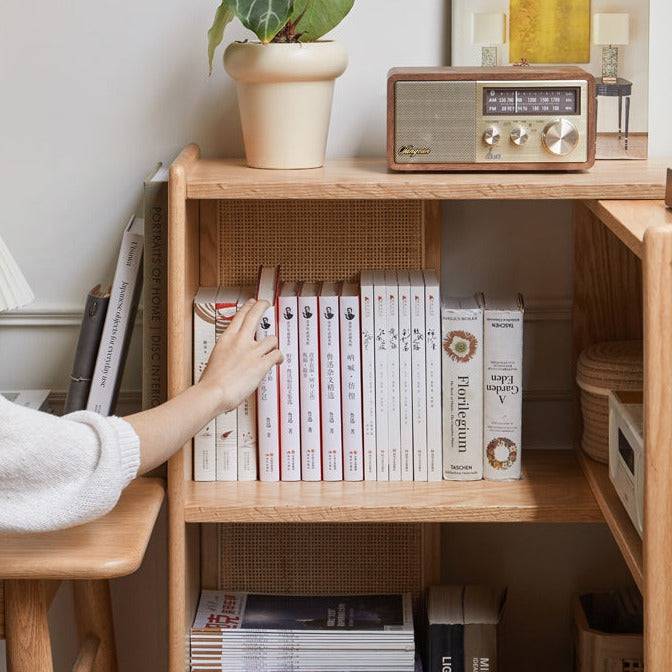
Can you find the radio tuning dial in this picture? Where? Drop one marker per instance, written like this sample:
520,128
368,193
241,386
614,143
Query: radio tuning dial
491,135
560,137
519,135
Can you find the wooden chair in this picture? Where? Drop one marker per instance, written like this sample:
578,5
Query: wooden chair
33,566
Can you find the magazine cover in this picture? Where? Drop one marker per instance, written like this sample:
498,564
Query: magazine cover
609,40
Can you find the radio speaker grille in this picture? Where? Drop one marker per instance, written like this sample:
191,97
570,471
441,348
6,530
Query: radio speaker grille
435,116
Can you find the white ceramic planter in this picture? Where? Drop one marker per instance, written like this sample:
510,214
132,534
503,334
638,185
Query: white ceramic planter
285,93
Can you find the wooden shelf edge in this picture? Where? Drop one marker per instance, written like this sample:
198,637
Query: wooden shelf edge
553,490
626,536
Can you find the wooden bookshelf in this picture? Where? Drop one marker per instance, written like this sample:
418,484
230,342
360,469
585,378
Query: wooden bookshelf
354,213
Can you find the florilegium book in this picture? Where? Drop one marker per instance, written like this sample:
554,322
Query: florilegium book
247,420
330,383
433,360
226,424
368,374
394,404
405,376
119,321
462,339
268,411
309,383
380,313
419,376
205,463
290,415
351,384
503,385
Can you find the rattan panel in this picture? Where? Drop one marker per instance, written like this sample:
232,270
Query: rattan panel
318,558
317,240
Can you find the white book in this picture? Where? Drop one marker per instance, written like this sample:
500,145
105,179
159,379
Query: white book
37,400
418,376
268,412
503,388
393,403
290,415
351,384
205,464
380,313
330,383
462,338
368,375
226,424
247,420
309,383
405,376
119,319
433,359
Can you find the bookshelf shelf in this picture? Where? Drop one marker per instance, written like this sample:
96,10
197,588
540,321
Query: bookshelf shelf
617,518
370,179
553,490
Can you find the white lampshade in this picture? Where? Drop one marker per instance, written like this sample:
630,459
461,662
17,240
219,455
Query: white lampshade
612,29
488,28
14,290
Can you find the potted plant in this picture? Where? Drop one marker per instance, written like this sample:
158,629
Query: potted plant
285,80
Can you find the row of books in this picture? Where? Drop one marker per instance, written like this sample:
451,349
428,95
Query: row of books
360,633
358,395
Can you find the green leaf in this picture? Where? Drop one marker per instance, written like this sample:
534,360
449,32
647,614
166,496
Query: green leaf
316,18
265,18
223,16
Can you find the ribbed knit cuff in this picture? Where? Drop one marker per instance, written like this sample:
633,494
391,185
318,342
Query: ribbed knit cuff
129,448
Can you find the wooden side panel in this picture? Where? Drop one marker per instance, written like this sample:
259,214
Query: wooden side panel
658,438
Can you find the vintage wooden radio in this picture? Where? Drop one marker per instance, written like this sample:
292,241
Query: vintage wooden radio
505,118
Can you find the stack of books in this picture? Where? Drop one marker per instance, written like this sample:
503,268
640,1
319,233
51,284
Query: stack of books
248,632
358,395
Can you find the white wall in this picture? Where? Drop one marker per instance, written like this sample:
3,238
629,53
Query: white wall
94,93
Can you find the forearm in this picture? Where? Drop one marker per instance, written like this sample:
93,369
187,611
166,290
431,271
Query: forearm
163,430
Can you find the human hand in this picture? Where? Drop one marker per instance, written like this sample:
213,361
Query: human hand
238,362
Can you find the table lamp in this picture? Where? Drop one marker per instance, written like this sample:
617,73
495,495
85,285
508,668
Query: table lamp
14,290
610,31
488,30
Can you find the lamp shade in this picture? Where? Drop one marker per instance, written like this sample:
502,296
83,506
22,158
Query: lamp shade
14,290
488,28
611,29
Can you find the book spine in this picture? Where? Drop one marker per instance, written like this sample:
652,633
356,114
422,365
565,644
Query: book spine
480,647
204,341
419,381
405,382
462,335
503,394
382,395
290,419
118,326
433,358
246,415
311,457
394,404
268,411
226,424
330,389
351,380
446,648
155,295
88,344
368,379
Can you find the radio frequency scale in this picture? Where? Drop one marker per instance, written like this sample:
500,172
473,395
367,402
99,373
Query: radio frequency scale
507,118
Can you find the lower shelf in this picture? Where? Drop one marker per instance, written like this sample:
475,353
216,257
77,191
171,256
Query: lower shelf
622,529
553,490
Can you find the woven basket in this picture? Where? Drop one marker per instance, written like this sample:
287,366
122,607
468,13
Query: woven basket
603,367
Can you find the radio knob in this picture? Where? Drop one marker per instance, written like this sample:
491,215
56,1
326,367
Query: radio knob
560,137
491,135
519,135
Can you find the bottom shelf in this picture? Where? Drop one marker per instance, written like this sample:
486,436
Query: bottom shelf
617,517
552,490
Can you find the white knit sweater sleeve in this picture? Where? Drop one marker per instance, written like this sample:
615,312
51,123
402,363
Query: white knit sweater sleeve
58,472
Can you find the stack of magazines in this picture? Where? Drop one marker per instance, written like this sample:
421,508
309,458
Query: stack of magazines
245,632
